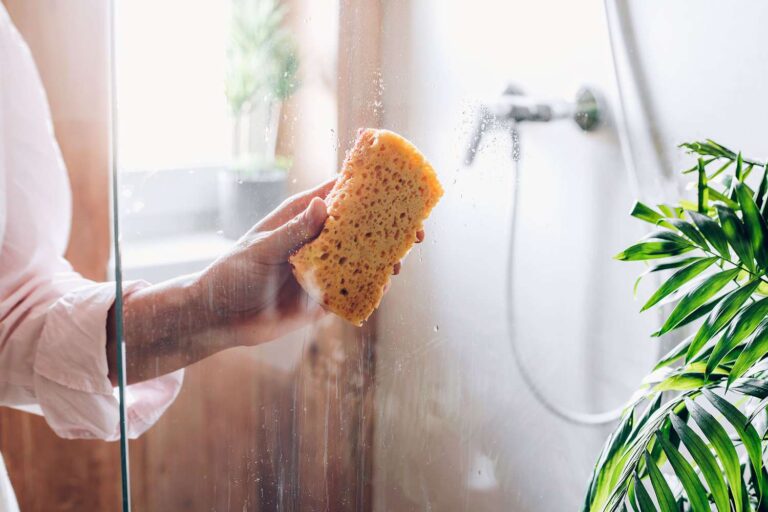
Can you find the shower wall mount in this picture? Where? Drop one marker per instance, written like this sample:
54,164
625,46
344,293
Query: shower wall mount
514,107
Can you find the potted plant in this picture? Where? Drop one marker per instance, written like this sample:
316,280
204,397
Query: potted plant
694,436
262,67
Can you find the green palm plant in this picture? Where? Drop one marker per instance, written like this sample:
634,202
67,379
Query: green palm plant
262,56
694,436
262,71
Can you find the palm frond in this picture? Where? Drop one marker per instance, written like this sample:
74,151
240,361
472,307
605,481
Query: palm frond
692,440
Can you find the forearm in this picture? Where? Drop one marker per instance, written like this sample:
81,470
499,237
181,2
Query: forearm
167,326
247,296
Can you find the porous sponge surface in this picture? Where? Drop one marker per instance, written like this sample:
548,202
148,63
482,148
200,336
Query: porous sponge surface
384,193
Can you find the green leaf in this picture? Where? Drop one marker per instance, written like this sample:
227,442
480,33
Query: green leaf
744,325
643,420
666,234
718,196
632,497
665,266
644,501
696,167
672,212
719,171
721,315
759,408
761,190
712,232
681,382
646,213
705,461
757,388
753,352
678,279
736,234
604,473
697,495
746,432
664,495
690,231
709,148
701,311
676,353
723,446
674,264
697,297
747,172
754,224
653,249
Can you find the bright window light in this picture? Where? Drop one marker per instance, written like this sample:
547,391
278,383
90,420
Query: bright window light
171,67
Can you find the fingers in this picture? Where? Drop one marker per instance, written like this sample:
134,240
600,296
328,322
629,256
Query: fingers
286,239
419,238
294,205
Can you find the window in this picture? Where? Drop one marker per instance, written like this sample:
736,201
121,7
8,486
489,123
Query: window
172,110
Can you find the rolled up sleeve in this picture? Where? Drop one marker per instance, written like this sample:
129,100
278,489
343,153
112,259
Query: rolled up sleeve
69,373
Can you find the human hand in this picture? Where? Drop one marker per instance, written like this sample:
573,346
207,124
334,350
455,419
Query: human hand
252,290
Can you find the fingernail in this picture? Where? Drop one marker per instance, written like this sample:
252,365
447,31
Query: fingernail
317,211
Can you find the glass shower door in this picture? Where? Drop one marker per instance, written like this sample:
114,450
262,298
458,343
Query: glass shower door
426,406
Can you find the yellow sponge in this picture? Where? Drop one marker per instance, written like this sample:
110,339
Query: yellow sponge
385,191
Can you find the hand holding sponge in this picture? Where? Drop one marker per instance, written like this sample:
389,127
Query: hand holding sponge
384,193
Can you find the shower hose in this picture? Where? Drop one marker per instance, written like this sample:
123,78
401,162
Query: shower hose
561,412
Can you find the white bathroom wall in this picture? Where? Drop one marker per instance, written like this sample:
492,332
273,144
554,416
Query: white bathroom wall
703,70
456,427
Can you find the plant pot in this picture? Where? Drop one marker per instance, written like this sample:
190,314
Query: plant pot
244,200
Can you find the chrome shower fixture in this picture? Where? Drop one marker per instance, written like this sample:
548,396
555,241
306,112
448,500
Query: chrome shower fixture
515,107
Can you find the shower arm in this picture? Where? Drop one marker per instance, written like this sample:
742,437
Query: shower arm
514,107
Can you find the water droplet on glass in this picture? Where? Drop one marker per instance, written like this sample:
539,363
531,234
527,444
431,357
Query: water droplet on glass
239,182
293,181
220,232
436,328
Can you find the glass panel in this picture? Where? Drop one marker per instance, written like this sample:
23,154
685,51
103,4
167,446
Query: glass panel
507,345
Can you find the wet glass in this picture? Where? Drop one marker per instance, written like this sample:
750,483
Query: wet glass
505,348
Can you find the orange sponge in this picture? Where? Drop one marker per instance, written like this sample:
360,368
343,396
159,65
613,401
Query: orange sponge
385,191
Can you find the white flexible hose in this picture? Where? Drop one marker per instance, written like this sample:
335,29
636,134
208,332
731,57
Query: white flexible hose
563,413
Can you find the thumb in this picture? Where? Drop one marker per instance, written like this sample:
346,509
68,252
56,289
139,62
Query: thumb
303,228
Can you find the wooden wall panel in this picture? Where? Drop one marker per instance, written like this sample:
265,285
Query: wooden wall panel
246,435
